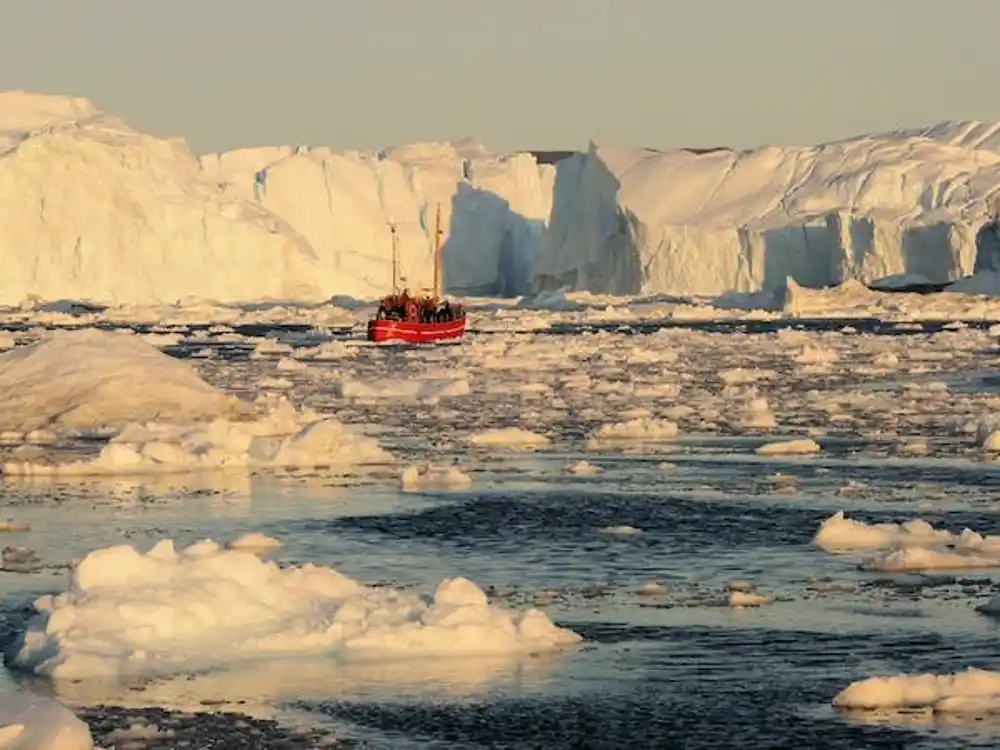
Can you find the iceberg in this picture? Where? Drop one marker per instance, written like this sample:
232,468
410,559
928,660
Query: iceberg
917,203
101,213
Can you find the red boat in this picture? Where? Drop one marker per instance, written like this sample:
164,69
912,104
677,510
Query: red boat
424,319
415,333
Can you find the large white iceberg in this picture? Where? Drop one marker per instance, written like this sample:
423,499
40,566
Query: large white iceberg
494,210
97,211
100,212
165,611
631,221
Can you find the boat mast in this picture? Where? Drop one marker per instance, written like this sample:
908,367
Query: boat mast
395,261
438,286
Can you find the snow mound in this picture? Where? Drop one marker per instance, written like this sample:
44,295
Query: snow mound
167,611
906,203
92,380
31,722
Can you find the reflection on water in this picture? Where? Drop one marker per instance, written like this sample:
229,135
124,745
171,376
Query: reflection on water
153,486
937,729
259,686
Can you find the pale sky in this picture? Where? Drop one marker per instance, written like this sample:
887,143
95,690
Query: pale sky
517,73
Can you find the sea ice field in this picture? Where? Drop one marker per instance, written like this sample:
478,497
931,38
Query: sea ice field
595,522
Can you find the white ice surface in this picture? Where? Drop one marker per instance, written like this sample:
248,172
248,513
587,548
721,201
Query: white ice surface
908,547
166,611
284,438
92,380
99,211
163,416
32,722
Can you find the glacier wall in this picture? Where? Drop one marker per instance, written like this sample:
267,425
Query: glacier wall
494,210
96,211
914,203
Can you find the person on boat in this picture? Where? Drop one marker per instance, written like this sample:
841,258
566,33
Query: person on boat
427,310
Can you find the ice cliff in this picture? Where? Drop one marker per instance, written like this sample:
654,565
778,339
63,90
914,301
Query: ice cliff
918,202
96,211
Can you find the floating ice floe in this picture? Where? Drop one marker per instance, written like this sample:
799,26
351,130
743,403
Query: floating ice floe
513,438
910,546
168,610
161,414
974,691
800,447
415,478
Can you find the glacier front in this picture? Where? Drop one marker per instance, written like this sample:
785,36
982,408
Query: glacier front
99,212
919,203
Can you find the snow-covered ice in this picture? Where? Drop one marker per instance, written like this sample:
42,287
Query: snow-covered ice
163,416
160,224
435,477
910,546
841,534
95,380
281,439
33,722
166,610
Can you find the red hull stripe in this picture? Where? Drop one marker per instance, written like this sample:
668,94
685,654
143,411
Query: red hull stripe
415,333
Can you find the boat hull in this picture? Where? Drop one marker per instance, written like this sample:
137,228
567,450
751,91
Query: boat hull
415,333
